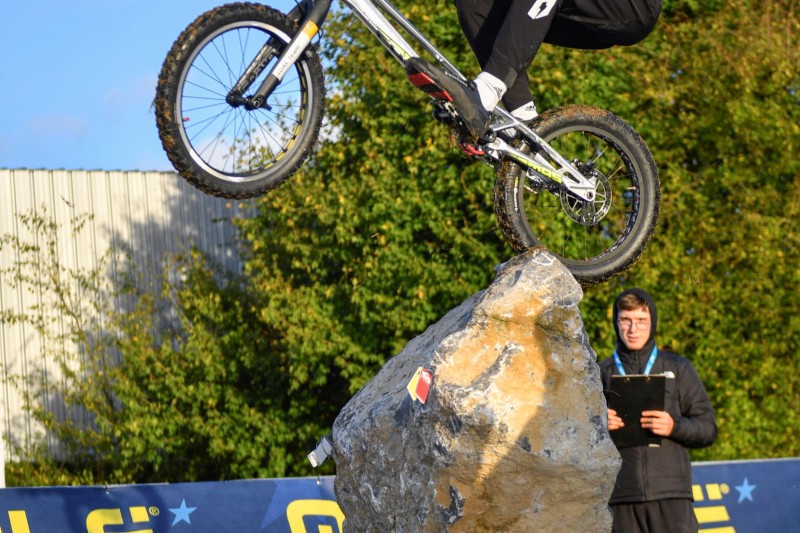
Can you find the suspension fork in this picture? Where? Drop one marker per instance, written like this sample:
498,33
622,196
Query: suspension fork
309,26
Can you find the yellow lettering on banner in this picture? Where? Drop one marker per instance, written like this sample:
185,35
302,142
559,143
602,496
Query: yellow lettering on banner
19,522
714,492
726,529
139,514
299,509
697,493
717,513
98,519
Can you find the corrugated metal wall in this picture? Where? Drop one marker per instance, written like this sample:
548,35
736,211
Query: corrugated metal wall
150,213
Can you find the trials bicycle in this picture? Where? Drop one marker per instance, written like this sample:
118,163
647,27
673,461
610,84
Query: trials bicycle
240,103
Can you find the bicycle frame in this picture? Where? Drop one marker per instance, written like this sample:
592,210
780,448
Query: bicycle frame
312,13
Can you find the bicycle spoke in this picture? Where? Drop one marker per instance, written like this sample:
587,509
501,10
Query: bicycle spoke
568,224
243,141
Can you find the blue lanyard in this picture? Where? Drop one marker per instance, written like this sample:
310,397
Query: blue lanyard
647,369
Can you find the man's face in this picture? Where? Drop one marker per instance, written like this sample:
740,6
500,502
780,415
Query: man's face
634,327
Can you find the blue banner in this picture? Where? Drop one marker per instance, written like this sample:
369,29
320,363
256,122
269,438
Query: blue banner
730,497
264,505
747,496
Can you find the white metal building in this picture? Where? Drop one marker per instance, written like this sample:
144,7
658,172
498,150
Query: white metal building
150,213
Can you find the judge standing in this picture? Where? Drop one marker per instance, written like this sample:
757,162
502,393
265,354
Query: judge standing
653,492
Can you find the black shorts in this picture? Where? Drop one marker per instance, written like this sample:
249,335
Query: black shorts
505,35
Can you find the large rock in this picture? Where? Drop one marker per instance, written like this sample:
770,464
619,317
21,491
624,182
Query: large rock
513,436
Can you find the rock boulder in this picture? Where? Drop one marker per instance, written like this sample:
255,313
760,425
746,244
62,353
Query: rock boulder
513,436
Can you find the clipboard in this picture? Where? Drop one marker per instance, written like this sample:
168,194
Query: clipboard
629,395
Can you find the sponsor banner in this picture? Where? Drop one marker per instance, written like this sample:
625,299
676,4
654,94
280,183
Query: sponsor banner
297,505
747,496
730,497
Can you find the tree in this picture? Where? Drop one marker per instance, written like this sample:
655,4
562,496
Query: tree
123,395
719,106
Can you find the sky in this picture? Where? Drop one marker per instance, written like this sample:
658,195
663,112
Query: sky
78,78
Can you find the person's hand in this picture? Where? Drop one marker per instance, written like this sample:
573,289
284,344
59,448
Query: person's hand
614,421
659,422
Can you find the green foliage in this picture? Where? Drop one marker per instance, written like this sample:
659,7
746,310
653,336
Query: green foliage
143,397
66,317
210,401
716,100
388,227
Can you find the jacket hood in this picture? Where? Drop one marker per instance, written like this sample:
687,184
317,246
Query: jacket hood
622,350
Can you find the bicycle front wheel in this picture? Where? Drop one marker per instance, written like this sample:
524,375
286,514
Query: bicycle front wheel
597,239
226,149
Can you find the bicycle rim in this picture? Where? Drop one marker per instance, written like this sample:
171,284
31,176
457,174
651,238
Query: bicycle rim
233,143
579,232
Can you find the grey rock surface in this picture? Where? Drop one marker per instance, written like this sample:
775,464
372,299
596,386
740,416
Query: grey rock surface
513,437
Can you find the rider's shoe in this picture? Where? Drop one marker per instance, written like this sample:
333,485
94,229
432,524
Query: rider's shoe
440,85
526,114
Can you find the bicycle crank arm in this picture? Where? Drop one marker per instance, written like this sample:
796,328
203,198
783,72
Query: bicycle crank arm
575,182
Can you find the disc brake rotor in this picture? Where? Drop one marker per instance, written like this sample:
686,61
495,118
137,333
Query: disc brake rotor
588,213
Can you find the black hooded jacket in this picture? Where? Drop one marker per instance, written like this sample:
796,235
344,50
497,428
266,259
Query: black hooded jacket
657,473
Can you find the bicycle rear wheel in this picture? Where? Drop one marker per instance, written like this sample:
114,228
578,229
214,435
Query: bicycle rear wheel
227,150
597,239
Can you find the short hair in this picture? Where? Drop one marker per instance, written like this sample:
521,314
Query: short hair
632,302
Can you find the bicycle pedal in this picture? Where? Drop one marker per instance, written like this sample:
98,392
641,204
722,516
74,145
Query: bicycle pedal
445,113
422,81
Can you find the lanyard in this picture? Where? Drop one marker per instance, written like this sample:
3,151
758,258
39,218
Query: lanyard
647,369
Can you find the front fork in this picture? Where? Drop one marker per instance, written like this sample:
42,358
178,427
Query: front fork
310,15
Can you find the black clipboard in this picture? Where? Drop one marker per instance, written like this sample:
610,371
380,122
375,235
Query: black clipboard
629,395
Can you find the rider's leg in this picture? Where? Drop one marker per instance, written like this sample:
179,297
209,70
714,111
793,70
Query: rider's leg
593,25
481,21
505,35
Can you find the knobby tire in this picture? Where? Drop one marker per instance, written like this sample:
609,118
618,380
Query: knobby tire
594,240
230,151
